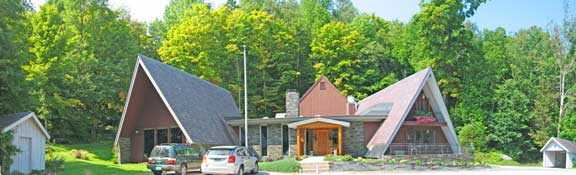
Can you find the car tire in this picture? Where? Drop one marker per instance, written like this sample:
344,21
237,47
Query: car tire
157,172
240,170
255,169
183,170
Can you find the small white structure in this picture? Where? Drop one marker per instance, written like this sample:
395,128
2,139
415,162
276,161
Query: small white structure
558,153
29,137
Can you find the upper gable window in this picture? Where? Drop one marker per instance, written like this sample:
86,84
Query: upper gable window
322,85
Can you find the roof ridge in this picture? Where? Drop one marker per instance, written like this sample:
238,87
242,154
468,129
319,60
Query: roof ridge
427,70
143,57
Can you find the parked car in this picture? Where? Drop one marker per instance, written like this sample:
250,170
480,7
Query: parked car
229,160
175,157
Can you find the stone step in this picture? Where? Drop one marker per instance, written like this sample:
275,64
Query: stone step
312,166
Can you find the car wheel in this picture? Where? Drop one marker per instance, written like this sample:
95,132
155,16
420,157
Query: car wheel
241,170
256,168
157,172
183,170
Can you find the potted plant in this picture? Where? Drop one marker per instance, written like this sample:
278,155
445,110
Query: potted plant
424,117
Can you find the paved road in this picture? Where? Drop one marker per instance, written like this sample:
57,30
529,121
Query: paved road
501,170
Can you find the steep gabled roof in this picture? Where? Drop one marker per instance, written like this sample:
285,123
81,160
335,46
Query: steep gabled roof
198,106
567,145
321,79
9,121
400,98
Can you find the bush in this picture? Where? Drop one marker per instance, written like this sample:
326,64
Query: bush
339,158
403,161
487,158
392,161
115,156
80,154
285,166
54,163
7,150
418,162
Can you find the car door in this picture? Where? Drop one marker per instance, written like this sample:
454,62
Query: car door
248,160
194,157
241,153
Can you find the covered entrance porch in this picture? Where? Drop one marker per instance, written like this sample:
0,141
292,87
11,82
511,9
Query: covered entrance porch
318,136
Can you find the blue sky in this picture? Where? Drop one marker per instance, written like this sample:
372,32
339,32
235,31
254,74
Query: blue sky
510,14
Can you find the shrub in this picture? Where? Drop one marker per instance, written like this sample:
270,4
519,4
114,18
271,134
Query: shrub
286,166
115,156
54,163
7,150
574,162
418,162
339,158
347,158
489,157
403,161
392,161
37,172
80,154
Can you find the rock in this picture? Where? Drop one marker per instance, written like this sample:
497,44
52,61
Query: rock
505,157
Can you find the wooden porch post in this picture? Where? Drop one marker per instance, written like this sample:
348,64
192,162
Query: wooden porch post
340,140
298,142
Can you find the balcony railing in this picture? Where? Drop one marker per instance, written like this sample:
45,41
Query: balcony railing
419,149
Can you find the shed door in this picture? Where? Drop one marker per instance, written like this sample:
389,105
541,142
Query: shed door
560,159
24,159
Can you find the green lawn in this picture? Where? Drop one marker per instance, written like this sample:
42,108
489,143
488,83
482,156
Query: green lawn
285,165
100,161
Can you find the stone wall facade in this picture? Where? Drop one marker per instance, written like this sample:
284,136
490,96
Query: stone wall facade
292,103
431,157
124,149
353,139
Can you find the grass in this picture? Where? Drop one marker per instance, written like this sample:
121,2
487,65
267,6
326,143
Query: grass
99,162
290,165
494,158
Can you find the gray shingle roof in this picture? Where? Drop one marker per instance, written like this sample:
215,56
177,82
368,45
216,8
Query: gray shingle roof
570,145
8,119
200,106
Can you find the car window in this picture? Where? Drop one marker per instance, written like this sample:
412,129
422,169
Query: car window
241,152
195,154
219,152
160,151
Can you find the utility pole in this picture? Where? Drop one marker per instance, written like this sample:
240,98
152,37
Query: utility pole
245,101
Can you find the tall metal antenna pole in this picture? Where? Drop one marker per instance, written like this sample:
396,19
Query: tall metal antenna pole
245,101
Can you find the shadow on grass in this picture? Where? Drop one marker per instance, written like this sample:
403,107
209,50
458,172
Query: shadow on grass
76,167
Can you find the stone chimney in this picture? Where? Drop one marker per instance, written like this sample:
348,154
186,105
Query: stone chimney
292,103
351,105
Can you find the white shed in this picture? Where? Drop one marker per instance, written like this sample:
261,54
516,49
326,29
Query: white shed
29,137
558,153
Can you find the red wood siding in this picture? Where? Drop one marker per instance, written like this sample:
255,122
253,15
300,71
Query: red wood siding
370,129
145,110
327,102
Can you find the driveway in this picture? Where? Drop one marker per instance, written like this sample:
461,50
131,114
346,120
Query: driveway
500,170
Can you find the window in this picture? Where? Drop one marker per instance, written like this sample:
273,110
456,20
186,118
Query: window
322,85
420,135
175,135
285,140
241,135
264,140
161,136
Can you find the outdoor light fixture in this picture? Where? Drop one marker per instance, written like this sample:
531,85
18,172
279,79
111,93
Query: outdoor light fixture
137,131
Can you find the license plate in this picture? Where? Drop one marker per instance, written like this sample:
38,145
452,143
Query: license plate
158,168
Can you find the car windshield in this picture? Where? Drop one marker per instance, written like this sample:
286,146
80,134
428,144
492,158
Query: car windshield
160,151
219,152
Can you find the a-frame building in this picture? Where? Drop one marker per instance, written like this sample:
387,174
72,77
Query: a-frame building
168,105
401,132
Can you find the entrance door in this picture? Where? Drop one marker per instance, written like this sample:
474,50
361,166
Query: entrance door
322,143
559,159
24,158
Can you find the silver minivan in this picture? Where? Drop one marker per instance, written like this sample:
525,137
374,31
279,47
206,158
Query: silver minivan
229,160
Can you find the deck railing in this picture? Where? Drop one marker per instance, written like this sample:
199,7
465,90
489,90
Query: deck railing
419,149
